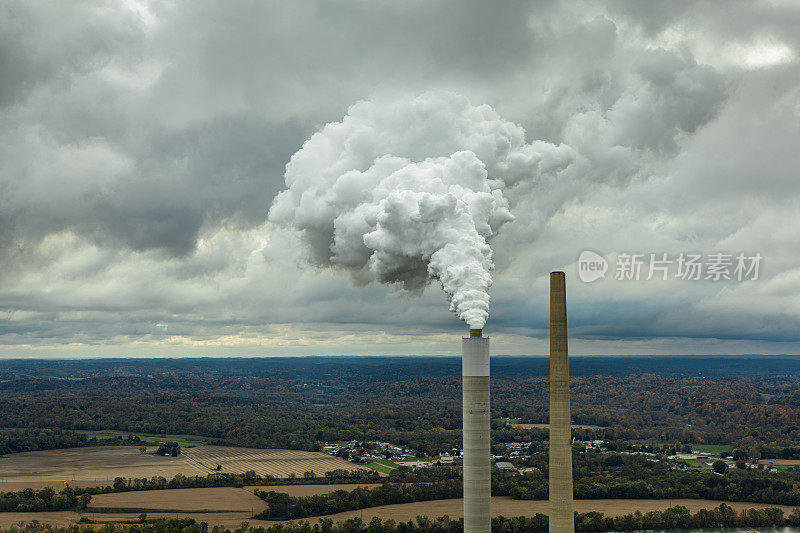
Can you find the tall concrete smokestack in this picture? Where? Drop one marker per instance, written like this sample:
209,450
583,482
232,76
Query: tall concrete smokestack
476,448
562,519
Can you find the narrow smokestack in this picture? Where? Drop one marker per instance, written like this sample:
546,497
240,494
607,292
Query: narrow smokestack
476,448
561,510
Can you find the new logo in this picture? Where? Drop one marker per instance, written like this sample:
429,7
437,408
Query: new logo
591,266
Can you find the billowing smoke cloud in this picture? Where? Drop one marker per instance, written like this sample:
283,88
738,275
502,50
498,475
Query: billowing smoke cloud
411,191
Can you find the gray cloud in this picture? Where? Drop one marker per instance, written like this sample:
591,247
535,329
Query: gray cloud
142,144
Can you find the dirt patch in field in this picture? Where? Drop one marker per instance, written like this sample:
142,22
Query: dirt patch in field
277,463
59,518
780,462
20,485
214,499
87,466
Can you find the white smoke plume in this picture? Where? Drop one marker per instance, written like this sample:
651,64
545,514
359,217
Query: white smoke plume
412,191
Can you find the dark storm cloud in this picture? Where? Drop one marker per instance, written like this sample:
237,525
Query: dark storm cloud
237,87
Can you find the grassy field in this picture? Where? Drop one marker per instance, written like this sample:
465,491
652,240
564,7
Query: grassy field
718,450
704,464
381,467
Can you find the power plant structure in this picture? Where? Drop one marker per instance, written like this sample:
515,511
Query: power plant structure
476,447
562,518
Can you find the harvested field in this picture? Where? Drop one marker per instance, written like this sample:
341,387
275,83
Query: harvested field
278,463
780,462
546,426
101,464
92,464
56,518
407,511
205,499
225,499
14,486
228,520
505,506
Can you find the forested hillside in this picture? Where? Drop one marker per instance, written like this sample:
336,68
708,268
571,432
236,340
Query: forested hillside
752,404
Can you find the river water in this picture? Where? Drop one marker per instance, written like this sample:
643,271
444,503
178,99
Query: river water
730,530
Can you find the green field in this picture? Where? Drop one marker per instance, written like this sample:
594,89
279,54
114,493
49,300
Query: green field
699,463
380,468
716,449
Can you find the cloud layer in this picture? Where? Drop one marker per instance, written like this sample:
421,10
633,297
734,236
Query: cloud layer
142,144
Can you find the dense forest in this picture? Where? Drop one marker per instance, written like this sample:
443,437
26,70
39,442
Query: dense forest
750,403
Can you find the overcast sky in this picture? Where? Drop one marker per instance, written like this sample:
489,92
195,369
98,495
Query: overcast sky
142,144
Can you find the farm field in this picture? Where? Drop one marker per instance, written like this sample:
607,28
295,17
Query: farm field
505,506
408,511
780,462
277,463
203,499
383,469
207,499
55,518
98,464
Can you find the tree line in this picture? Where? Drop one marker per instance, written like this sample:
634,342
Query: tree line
180,481
31,440
285,507
628,476
46,499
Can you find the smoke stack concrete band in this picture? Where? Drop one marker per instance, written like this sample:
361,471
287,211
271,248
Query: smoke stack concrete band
562,518
476,448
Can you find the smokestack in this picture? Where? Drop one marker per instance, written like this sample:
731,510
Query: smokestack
476,447
562,519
